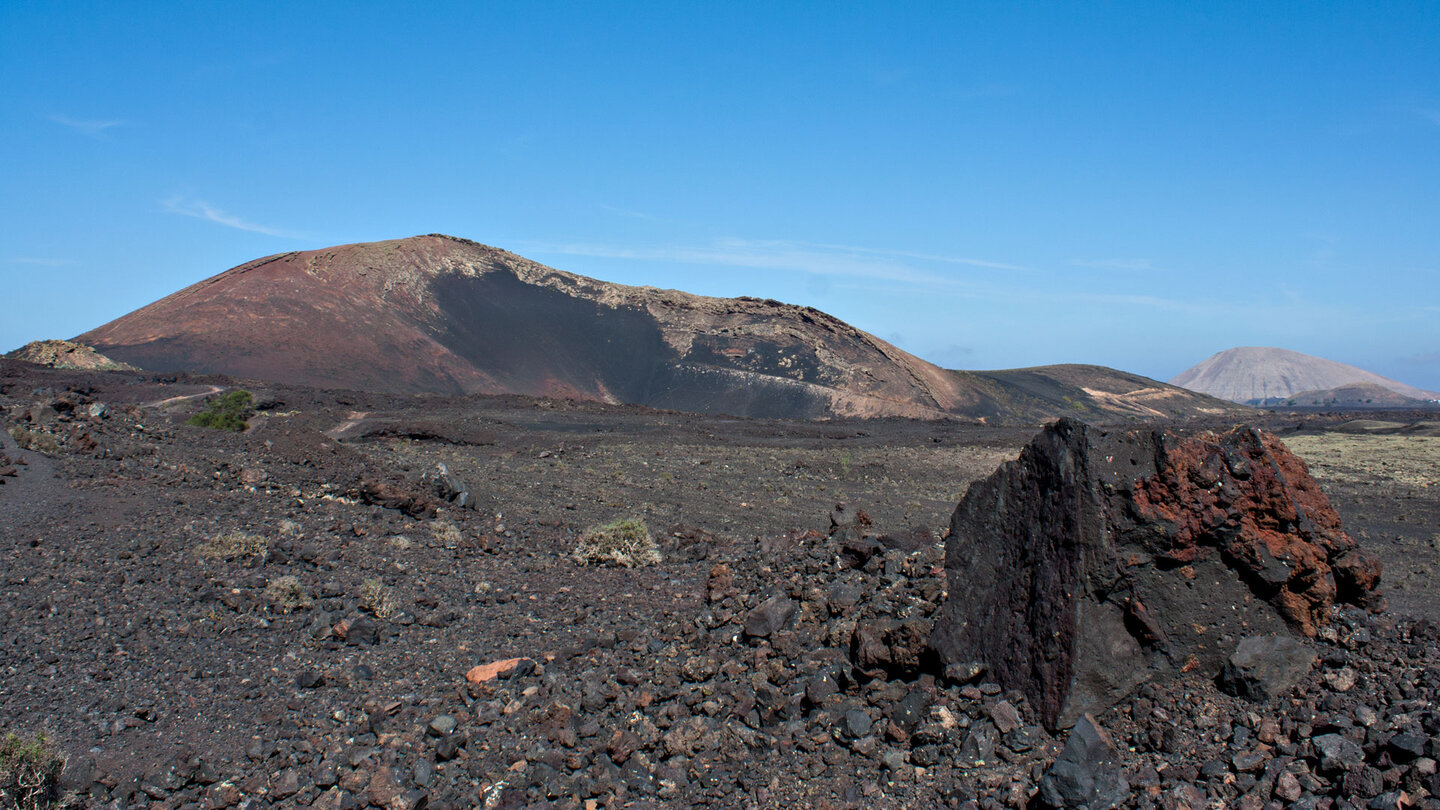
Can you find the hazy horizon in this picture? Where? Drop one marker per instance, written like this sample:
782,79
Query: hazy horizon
990,187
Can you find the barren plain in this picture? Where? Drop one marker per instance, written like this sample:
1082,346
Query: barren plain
204,618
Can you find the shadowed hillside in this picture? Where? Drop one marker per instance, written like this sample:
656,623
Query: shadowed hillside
440,314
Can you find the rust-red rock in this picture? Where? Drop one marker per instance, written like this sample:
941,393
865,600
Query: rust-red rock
1247,497
1097,559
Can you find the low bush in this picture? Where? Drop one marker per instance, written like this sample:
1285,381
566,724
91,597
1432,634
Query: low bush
624,542
446,534
225,412
29,772
235,545
287,595
375,597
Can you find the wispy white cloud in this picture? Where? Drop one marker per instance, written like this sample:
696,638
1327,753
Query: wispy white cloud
39,262
927,257
629,214
1114,264
1146,301
803,257
199,209
88,127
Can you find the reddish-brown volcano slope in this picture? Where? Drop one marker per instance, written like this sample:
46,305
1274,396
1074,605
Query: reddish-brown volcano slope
436,313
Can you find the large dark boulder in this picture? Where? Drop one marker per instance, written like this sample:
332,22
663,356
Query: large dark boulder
1097,559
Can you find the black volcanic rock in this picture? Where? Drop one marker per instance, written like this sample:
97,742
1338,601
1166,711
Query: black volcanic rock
769,616
1087,774
1097,559
1263,667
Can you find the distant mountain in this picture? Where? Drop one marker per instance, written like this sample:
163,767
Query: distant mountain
1353,395
1261,375
440,314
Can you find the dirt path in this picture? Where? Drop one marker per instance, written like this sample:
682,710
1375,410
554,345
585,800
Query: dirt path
355,418
160,403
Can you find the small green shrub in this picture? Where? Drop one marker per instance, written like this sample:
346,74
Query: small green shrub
225,412
287,594
29,772
235,545
624,542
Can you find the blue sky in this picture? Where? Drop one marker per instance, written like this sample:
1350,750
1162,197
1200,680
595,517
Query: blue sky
986,185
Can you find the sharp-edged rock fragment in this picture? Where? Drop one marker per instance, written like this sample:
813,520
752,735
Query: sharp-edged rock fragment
1087,775
499,669
1097,559
1337,753
769,616
1263,667
448,487
847,523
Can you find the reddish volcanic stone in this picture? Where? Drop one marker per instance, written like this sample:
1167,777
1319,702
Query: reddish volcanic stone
1247,497
492,670
1097,560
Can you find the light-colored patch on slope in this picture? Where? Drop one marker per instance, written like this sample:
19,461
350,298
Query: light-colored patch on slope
1131,403
1360,459
841,403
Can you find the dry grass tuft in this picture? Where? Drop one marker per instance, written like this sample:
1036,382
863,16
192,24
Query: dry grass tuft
235,545
446,534
626,543
288,595
375,597
42,443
